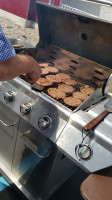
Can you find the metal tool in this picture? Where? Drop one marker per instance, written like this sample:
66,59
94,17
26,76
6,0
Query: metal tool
100,117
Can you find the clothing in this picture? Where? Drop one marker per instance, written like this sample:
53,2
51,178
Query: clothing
6,49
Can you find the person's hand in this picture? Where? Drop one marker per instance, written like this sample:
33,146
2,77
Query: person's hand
32,68
18,65
34,75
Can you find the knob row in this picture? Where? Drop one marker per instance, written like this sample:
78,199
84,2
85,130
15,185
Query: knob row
26,108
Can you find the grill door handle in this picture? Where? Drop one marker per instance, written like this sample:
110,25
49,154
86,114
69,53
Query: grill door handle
95,121
8,125
37,154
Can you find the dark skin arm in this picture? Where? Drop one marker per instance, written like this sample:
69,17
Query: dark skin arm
18,65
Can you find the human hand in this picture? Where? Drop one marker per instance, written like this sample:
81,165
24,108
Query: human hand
34,75
18,65
33,70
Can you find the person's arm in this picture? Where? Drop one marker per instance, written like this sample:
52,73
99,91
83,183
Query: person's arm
12,65
18,65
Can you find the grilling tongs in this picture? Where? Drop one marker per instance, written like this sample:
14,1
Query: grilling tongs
100,117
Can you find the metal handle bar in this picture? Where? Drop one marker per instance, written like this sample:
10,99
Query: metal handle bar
105,2
37,154
8,125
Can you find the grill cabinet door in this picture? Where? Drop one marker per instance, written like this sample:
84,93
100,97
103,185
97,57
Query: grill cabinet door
31,170
8,134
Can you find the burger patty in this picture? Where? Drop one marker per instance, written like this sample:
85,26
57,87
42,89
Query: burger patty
52,69
71,101
45,71
63,76
53,78
44,64
70,81
80,95
87,90
44,82
56,93
65,88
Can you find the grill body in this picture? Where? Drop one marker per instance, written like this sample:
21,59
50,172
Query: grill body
44,139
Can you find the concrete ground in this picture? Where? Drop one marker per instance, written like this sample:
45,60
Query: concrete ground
70,190
14,30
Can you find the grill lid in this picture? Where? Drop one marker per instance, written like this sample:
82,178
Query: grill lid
83,35
100,9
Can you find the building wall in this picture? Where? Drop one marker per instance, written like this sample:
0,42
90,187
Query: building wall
23,9
16,7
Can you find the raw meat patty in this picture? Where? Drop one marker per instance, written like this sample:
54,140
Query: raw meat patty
56,93
63,76
44,82
53,78
45,71
70,81
65,88
52,69
80,95
44,64
87,90
71,101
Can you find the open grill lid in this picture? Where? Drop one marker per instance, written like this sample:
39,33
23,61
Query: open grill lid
83,35
95,8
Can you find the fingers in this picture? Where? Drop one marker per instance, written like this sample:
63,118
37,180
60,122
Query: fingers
30,67
33,76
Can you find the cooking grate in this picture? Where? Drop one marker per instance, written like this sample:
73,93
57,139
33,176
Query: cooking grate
61,100
80,68
85,72
55,85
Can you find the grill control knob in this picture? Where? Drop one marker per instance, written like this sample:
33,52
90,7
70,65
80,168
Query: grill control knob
9,96
44,122
84,151
25,108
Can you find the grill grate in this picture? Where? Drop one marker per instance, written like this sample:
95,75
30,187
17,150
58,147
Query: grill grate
55,85
85,72
60,100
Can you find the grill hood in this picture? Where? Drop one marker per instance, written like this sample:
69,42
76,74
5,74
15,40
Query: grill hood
85,35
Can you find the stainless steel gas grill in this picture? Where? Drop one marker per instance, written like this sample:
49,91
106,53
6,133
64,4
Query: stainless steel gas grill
29,155
46,134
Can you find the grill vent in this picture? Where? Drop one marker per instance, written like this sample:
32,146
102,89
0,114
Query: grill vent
74,61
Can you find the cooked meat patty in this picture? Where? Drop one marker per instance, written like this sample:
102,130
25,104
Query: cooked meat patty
44,64
71,101
63,76
87,90
70,81
44,82
45,71
53,78
80,95
52,69
65,88
56,93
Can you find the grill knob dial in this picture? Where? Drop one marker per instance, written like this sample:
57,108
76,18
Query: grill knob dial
84,151
25,108
9,96
44,122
